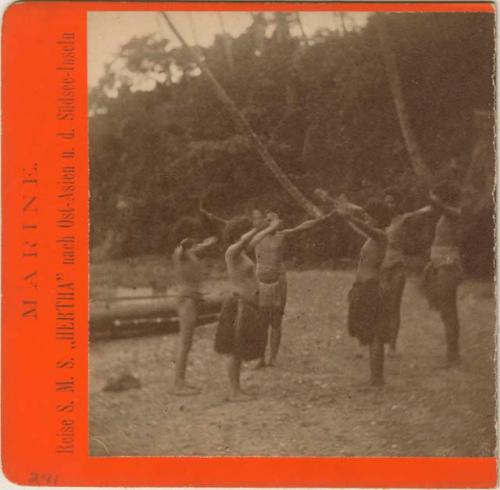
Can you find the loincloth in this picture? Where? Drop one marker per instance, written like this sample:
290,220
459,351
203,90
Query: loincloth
238,315
389,274
272,290
367,315
394,258
442,258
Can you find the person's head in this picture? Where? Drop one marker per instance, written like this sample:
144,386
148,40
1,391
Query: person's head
235,228
188,230
258,218
448,191
272,215
392,199
380,213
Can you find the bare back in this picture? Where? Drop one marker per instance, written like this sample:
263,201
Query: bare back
447,232
241,272
189,271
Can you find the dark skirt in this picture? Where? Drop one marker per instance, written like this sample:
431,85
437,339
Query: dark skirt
367,314
238,315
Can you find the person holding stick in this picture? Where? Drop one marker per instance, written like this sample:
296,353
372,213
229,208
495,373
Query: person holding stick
271,274
189,269
444,272
241,332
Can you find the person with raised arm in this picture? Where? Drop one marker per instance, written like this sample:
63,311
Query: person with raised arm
188,266
393,274
271,274
367,312
444,272
241,332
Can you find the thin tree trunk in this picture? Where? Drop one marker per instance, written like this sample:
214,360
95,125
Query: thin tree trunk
301,27
268,160
193,29
227,43
391,69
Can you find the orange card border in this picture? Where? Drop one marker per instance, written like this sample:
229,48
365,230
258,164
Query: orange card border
31,56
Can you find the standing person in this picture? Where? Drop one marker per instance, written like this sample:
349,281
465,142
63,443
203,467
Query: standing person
393,274
444,273
271,274
189,270
241,332
367,317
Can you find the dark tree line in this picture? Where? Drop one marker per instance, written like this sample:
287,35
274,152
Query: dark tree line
160,138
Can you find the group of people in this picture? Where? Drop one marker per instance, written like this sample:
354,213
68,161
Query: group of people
251,316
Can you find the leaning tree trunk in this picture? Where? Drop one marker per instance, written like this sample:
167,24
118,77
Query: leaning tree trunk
228,49
391,69
240,120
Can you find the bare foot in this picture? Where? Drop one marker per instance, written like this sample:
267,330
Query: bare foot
261,364
184,389
240,396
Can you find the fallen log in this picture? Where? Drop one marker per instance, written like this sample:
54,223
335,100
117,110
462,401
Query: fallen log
139,327
117,317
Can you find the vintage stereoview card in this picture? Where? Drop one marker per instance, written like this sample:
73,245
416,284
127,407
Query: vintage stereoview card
249,244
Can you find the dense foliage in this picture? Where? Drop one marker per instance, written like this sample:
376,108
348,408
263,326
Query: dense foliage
159,137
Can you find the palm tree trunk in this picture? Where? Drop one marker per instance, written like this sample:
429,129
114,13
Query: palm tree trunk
391,69
240,120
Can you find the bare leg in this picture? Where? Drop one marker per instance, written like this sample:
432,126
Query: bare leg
276,320
262,361
397,285
187,319
236,394
448,309
377,361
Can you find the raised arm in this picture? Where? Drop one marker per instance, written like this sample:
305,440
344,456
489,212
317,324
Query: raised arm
359,225
272,226
353,209
202,247
441,207
357,230
415,215
243,242
306,225
212,217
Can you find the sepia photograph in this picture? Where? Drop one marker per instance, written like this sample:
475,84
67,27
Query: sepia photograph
291,233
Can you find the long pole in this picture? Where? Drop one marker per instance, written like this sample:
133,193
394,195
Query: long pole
227,42
391,68
240,120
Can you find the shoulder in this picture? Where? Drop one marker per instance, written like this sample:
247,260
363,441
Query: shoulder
231,251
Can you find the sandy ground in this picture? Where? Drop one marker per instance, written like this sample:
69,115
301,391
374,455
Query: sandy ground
316,402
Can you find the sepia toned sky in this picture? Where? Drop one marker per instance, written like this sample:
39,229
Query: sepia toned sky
107,31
